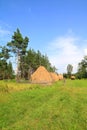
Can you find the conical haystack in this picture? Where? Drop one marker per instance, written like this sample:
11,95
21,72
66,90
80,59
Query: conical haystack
60,76
54,76
41,75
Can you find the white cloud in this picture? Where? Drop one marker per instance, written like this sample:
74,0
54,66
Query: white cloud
85,51
66,50
4,35
4,32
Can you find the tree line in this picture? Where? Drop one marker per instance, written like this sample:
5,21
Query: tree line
27,61
81,72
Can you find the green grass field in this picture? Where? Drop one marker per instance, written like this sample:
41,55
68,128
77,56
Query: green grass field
39,107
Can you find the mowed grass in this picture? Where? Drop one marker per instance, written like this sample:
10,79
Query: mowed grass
39,107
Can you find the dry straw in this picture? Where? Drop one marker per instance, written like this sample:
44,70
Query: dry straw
54,76
41,75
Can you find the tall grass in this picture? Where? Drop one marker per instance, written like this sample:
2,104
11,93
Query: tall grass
61,106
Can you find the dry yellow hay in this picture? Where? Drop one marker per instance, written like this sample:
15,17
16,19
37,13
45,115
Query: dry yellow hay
41,75
60,76
54,76
72,77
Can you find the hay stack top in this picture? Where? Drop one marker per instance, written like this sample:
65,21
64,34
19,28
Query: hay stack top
60,77
41,75
54,76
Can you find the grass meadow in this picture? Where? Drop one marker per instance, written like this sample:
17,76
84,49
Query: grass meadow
60,106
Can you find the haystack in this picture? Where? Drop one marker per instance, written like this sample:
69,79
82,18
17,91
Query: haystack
54,76
60,76
72,77
41,75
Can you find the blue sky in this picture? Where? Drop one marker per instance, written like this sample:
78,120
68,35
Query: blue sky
57,28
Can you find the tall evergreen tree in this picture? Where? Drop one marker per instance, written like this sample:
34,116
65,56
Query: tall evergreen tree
18,46
4,53
6,70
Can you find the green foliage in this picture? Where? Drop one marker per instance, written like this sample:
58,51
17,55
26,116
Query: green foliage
54,107
69,70
65,75
18,46
4,53
6,70
33,60
82,69
27,61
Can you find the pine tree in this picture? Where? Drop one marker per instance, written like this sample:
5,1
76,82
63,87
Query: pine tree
18,46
